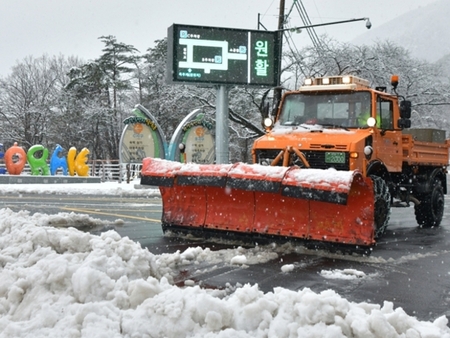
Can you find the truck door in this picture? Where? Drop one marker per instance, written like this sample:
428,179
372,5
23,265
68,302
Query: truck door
387,142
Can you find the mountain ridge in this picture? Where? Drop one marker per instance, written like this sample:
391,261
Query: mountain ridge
422,31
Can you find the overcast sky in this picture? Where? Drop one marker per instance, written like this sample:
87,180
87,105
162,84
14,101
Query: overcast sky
72,27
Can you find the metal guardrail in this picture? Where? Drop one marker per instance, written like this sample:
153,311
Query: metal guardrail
107,170
112,170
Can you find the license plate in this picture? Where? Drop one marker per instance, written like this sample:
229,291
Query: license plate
334,157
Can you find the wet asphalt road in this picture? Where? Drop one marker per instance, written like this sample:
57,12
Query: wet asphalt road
409,266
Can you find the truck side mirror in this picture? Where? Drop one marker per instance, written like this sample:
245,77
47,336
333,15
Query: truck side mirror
265,110
405,109
404,123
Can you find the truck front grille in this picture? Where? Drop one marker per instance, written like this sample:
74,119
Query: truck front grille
316,159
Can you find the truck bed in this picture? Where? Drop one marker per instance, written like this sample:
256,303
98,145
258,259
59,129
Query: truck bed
425,147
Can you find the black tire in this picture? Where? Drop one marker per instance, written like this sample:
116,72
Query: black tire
430,211
382,207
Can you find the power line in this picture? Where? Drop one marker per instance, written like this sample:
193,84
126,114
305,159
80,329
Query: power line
307,22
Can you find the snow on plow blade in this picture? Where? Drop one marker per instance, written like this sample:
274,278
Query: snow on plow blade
308,204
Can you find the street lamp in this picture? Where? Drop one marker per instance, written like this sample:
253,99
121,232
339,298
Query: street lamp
298,29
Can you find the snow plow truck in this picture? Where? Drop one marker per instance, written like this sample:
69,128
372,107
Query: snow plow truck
334,160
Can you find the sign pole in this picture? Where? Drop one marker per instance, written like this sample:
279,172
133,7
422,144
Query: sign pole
222,137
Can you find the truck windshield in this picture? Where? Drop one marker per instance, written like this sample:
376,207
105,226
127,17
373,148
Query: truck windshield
337,109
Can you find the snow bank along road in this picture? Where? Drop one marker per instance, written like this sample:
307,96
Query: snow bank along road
409,267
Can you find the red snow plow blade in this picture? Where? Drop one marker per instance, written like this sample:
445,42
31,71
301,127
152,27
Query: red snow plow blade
307,204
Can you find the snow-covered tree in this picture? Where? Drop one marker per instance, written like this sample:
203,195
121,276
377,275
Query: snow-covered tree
102,88
30,100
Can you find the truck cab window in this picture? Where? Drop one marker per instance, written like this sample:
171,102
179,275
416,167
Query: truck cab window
326,109
293,110
384,111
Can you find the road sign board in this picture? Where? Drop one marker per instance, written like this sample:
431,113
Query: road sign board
212,55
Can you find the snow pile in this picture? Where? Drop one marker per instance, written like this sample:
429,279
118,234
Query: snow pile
343,274
239,260
106,188
72,220
288,268
61,282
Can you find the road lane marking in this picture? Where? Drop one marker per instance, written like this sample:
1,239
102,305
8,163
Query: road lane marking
110,214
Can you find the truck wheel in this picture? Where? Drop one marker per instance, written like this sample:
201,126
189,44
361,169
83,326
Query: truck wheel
431,208
382,208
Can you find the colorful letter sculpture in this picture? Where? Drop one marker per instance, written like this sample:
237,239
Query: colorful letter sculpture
2,156
15,159
57,161
38,165
71,155
77,164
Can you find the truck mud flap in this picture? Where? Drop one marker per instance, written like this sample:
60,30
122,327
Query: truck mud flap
309,204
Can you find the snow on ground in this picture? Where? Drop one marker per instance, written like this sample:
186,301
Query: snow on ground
57,281
106,188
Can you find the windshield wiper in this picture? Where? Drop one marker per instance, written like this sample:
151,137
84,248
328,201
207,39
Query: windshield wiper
334,126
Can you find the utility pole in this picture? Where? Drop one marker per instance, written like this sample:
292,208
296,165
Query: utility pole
281,15
277,91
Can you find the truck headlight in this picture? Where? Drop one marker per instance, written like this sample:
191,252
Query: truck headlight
268,122
371,122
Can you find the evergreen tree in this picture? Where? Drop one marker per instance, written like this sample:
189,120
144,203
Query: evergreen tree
103,87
